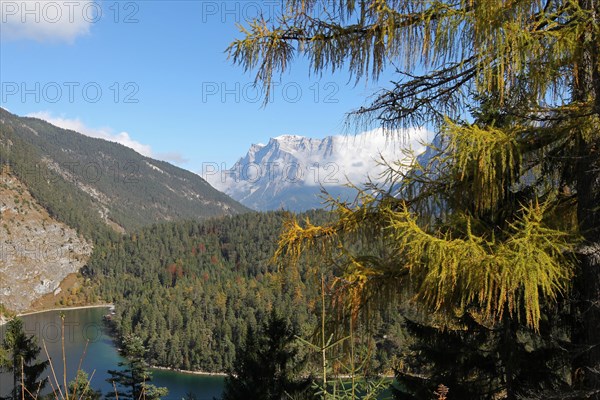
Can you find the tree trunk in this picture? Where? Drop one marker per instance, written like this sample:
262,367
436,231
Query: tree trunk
586,336
507,356
586,333
15,377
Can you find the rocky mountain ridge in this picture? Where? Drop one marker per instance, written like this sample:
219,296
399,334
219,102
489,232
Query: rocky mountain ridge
290,171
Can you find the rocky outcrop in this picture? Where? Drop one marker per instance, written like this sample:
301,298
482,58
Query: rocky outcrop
36,251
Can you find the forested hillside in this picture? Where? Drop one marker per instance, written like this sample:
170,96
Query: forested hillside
190,290
91,184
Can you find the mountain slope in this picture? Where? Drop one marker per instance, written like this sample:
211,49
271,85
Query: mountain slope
36,252
87,182
290,171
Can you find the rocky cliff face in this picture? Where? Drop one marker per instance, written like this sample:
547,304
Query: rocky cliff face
36,251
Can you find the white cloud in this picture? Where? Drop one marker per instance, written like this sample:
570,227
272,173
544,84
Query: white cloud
358,158
107,134
353,158
47,20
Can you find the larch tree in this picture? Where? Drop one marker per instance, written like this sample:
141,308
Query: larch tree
504,218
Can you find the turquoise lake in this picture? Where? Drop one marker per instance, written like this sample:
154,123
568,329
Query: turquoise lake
101,355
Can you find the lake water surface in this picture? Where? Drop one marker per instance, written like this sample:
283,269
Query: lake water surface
101,355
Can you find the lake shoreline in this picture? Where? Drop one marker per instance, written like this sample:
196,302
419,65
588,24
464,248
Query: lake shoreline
102,355
107,305
183,371
111,306
4,320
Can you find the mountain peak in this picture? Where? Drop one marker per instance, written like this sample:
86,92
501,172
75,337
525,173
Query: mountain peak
288,137
291,169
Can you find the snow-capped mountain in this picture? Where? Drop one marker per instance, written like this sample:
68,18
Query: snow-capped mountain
290,171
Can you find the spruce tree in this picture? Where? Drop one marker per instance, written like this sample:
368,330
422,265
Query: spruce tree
481,362
133,381
79,388
21,354
266,367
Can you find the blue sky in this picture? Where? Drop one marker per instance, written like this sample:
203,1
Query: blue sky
167,88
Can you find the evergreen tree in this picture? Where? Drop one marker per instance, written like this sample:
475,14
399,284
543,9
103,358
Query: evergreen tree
133,382
79,388
225,283
190,396
21,359
480,362
266,368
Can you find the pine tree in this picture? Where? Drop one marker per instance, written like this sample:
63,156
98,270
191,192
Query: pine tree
483,359
133,381
21,359
266,368
490,225
80,389
480,362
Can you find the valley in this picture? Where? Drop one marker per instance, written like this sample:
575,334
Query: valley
299,200
190,290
